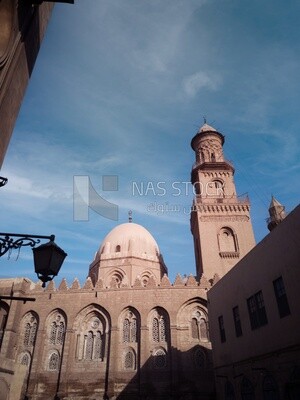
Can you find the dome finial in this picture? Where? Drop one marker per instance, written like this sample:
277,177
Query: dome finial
129,216
204,119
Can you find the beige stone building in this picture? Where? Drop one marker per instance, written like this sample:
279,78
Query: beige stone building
129,332
254,317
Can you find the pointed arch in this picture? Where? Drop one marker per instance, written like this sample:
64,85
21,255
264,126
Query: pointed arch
270,388
160,359
114,278
55,326
56,323
193,316
53,361
199,358
159,337
129,326
129,359
247,389
228,242
92,333
27,338
229,391
25,358
29,327
216,188
159,325
145,277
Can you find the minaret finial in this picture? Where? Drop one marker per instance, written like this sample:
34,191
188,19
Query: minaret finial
204,119
129,216
277,213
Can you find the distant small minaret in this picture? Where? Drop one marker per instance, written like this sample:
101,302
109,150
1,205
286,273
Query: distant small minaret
277,214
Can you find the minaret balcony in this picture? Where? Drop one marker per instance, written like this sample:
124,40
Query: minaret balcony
224,164
232,200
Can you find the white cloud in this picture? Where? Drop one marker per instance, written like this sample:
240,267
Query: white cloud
192,84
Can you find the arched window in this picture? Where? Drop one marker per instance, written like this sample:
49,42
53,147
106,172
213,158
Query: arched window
270,389
91,328
159,358
29,330
25,359
228,244
56,330
159,335
89,341
93,345
133,330
130,328
130,360
247,390
118,249
199,358
60,333
53,330
27,337
162,330
115,279
145,278
155,330
53,362
203,329
215,188
199,326
159,329
229,391
126,330
195,330
98,345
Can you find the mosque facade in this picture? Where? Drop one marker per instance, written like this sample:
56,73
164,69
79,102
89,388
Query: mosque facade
128,332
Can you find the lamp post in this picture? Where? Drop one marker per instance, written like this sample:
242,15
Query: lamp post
37,2
3,181
48,257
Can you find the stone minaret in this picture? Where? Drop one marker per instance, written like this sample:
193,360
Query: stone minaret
277,214
220,220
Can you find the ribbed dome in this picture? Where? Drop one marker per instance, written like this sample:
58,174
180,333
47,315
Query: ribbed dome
130,239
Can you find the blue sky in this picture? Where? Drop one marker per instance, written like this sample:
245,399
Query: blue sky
120,87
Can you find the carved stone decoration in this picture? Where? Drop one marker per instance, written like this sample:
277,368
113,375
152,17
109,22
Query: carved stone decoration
178,281
63,285
191,281
165,282
88,284
217,218
50,287
151,282
75,284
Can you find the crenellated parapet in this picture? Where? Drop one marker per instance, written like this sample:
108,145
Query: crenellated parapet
186,282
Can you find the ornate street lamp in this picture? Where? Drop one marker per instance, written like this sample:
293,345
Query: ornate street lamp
3,181
50,1
48,257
